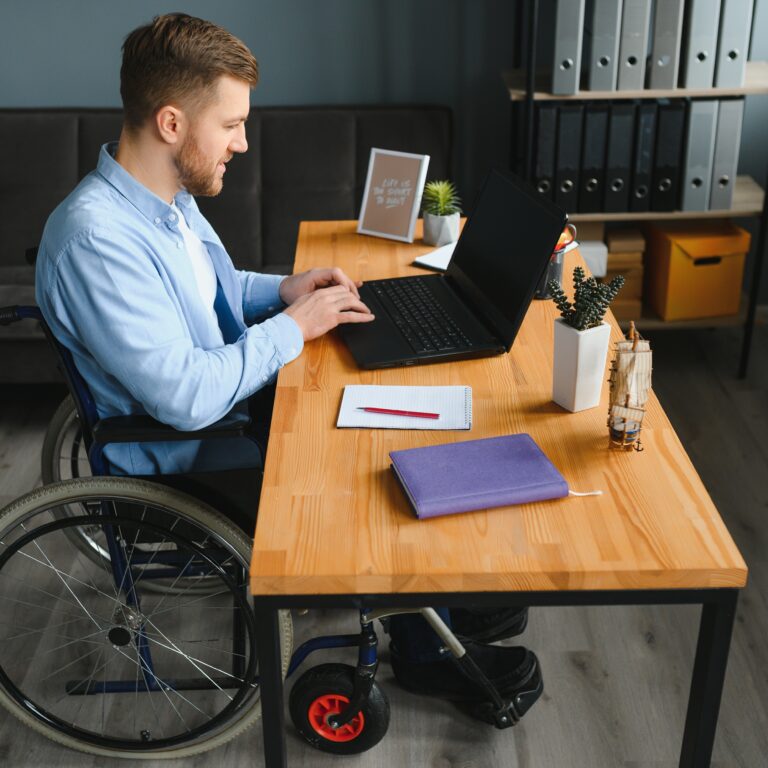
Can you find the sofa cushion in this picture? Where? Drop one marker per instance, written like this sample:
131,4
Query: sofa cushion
38,158
96,127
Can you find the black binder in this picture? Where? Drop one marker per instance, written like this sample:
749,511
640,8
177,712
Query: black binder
546,136
665,192
619,158
592,177
642,166
568,156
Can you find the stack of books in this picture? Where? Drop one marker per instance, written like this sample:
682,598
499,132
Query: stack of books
625,257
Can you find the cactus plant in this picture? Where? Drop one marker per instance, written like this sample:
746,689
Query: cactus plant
591,299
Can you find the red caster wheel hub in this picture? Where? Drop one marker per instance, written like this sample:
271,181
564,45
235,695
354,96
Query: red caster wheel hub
328,705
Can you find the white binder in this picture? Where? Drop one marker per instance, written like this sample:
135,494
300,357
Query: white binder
568,31
635,22
733,45
699,151
667,33
700,43
601,41
726,156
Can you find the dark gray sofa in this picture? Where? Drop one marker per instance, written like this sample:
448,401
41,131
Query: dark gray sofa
302,163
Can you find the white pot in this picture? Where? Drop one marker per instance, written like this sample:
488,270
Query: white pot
579,365
441,230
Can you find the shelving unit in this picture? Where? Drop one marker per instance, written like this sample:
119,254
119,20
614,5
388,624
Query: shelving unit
651,322
526,87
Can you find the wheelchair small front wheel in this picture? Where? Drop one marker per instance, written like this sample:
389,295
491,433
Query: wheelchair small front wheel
324,691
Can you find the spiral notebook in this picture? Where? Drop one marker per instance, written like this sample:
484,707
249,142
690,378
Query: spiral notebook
452,404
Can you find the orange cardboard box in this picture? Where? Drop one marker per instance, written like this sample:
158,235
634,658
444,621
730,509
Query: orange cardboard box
695,269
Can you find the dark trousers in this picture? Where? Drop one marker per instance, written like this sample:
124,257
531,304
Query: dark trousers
414,638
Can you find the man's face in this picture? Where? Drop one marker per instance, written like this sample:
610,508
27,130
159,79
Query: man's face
215,134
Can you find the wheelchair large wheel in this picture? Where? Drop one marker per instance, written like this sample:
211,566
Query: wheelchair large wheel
64,456
325,690
93,660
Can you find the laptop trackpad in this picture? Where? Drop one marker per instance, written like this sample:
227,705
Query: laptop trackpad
379,338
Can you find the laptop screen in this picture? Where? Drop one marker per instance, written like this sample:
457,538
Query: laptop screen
503,250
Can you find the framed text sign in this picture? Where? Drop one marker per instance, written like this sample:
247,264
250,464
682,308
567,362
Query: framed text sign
392,194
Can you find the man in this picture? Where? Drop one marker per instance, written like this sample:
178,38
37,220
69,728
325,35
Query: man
136,284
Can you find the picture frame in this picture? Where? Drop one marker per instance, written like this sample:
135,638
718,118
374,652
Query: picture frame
392,194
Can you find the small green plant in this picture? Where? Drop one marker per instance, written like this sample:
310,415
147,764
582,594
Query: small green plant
440,198
590,299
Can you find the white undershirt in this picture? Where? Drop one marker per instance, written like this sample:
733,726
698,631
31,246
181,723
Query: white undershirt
202,266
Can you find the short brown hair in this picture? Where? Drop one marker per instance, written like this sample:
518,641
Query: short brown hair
178,59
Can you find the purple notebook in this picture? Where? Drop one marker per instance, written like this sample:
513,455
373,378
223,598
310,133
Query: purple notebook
476,474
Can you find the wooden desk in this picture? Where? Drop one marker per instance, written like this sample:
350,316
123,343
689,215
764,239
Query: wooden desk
335,529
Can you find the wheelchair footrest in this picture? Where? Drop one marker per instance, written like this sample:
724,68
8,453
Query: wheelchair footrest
510,712
502,717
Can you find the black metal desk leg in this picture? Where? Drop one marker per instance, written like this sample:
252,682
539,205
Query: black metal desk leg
714,641
271,679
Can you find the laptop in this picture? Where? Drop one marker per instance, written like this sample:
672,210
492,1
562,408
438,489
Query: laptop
476,308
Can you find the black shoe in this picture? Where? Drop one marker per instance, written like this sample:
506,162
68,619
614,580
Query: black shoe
487,625
514,671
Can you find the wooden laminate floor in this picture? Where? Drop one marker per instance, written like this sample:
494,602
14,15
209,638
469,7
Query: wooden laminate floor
616,678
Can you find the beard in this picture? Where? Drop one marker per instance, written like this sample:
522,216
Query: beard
195,172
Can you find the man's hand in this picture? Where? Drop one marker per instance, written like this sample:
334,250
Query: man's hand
321,310
299,285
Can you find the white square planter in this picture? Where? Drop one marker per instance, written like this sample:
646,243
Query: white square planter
579,365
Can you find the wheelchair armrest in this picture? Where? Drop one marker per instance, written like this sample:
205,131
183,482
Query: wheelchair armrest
145,429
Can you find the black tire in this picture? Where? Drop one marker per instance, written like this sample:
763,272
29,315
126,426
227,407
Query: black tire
329,680
63,456
70,628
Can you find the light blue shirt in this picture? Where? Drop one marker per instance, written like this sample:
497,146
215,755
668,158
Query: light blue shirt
117,288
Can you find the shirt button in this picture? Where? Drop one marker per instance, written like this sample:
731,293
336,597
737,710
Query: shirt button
172,217
157,219
270,309
178,243
264,378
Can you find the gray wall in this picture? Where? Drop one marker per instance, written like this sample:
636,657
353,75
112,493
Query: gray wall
67,53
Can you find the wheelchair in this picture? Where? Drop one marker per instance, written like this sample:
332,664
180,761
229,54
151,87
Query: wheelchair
127,626
127,629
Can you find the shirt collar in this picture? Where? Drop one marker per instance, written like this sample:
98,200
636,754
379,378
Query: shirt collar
147,202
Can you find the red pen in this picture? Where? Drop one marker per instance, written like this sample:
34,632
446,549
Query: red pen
395,412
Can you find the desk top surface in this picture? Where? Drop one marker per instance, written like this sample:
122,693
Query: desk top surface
332,518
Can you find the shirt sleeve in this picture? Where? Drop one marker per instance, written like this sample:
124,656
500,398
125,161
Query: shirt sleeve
261,295
111,296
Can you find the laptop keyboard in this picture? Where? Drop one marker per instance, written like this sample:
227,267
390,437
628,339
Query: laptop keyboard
415,311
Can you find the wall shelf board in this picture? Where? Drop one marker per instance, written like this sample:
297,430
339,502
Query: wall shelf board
755,81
